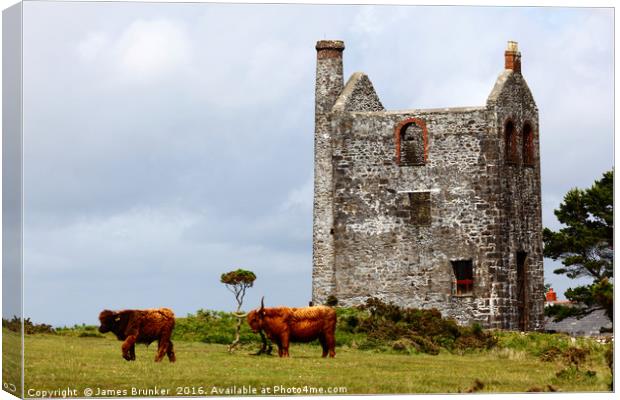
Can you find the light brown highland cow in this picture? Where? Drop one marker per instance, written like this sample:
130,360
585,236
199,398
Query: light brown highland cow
285,324
141,326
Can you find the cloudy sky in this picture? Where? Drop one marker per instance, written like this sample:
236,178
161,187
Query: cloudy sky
168,143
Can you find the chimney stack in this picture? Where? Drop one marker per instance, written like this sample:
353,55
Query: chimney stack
329,48
551,295
512,57
329,75
329,84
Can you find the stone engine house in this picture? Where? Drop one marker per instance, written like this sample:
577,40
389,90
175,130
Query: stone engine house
428,208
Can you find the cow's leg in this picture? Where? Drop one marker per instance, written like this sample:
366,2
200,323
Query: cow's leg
162,348
128,344
331,343
170,352
285,343
132,352
323,342
279,344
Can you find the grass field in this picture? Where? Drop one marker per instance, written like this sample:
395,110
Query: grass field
56,362
11,357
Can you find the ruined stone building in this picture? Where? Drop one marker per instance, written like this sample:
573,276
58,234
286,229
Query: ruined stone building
428,208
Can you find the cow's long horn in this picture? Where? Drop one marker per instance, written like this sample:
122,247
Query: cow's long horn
262,303
240,315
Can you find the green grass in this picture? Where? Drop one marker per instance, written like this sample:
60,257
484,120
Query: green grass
61,361
11,360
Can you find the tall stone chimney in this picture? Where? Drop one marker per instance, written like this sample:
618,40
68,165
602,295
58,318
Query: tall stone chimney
329,85
512,57
329,76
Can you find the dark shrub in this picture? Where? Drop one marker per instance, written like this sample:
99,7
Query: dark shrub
576,356
428,331
91,334
331,301
551,354
425,345
352,322
15,325
402,345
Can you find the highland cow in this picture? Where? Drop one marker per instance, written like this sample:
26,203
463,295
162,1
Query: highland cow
284,325
141,326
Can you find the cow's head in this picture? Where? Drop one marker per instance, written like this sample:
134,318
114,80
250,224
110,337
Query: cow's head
256,317
108,319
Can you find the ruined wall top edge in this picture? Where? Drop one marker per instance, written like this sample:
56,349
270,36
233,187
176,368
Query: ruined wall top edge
453,110
505,79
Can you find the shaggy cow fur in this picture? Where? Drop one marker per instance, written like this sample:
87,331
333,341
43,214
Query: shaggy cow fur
141,326
284,325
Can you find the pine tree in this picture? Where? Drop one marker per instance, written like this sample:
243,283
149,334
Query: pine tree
585,243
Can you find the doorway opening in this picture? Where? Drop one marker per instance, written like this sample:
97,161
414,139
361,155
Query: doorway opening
522,303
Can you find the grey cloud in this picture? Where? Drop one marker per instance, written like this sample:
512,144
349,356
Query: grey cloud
174,177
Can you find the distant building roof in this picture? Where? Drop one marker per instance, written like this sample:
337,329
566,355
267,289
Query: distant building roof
590,325
551,299
559,303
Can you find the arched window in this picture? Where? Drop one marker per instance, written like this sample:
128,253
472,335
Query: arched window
528,144
411,142
510,143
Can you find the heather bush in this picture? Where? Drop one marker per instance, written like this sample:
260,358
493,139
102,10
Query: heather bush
212,327
30,328
384,326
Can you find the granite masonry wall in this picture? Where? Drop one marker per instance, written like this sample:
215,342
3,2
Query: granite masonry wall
403,197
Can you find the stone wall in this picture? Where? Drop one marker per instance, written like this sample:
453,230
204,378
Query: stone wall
379,250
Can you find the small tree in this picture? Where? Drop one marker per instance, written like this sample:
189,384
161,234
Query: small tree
238,282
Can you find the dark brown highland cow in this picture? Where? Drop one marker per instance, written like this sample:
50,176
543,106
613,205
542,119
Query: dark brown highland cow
284,325
141,326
